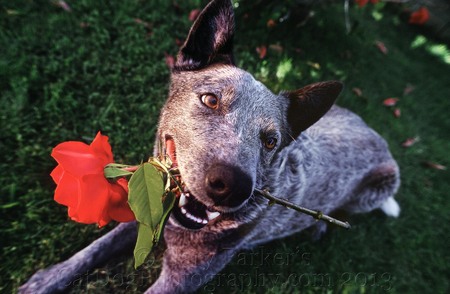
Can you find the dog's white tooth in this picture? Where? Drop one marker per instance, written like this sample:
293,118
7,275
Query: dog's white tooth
193,218
212,214
182,202
204,221
183,210
190,216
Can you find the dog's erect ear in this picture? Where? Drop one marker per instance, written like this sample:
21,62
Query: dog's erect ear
210,39
308,104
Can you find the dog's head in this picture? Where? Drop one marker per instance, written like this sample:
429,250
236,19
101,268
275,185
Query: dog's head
222,127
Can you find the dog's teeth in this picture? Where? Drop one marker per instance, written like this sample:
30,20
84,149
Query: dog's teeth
212,215
182,202
194,218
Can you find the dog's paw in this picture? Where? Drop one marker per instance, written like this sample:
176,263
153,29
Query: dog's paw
390,207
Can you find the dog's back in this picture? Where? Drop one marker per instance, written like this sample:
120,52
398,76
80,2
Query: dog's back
338,163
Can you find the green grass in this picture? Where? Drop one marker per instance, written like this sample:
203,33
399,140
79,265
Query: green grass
64,76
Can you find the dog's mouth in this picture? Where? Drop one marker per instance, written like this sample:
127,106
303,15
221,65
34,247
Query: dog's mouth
191,213
188,211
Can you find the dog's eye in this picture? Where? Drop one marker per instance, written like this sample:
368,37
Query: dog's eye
270,143
210,100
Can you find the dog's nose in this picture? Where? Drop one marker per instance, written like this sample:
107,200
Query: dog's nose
227,185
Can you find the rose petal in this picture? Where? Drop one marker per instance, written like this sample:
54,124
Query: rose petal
380,45
73,214
409,142
57,174
390,101
262,51
117,194
68,191
94,198
102,149
434,165
77,159
357,91
121,212
194,14
118,208
124,184
103,222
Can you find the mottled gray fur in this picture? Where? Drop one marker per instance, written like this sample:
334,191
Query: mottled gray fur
266,139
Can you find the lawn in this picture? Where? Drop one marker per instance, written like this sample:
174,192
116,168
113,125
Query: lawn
64,75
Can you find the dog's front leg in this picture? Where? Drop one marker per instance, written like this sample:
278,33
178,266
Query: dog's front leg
59,277
191,261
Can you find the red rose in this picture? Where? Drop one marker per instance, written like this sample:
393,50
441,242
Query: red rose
82,186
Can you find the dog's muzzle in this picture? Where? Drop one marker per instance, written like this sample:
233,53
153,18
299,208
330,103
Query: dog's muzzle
227,186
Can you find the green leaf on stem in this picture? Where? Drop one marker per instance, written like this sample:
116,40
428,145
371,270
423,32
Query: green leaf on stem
168,202
114,171
144,244
146,187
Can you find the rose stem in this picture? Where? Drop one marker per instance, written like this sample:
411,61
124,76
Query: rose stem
316,214
131,169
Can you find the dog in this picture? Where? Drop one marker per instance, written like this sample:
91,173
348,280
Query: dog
229,135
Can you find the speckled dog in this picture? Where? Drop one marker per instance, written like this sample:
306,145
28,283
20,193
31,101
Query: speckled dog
229,134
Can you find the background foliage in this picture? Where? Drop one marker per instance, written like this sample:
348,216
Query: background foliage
64,75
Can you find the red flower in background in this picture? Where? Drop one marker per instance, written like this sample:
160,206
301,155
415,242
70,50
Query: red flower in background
194,14
419,16
82,186
361,3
